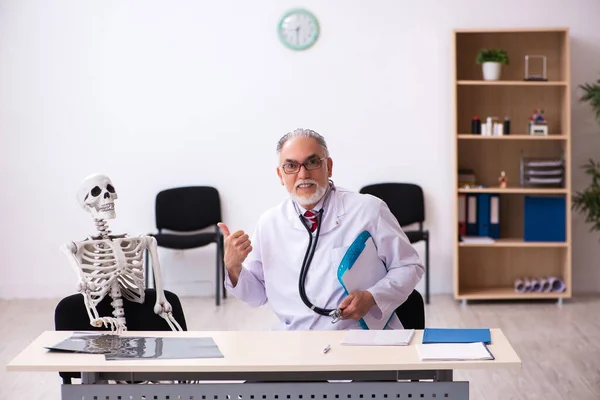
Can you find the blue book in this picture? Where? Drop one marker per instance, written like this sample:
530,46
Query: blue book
456,335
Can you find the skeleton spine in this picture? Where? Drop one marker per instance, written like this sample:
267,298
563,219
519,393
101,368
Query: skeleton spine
117,303
102,227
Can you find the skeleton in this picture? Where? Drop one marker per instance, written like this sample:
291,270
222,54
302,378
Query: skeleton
112,264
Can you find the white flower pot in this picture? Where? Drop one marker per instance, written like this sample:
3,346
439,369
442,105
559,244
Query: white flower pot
491,70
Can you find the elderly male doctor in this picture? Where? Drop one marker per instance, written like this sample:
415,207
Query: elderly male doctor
268,267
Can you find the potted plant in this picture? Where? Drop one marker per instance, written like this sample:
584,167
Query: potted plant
491,61
588,201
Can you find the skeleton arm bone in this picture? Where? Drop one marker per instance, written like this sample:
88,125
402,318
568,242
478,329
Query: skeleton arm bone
70,249
162,306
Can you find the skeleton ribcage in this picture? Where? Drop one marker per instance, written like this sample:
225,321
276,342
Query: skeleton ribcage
104,261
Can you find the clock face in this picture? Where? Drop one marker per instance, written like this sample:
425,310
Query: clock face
298,29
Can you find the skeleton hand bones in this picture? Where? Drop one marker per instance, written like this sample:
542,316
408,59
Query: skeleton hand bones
163,308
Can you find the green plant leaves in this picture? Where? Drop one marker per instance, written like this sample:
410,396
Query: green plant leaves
588,200
493,55
592,95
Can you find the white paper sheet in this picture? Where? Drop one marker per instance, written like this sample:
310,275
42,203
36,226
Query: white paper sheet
388,337
453,351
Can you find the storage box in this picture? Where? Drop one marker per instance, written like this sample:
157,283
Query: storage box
544,219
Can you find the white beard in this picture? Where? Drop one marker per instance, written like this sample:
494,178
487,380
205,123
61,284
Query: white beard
310,199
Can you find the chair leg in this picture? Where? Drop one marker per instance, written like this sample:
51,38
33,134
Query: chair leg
218,279
222,261
427,269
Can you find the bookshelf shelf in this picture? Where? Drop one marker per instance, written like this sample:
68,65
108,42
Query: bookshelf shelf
506,293
514,190
511,83
520,136
514,242
488,271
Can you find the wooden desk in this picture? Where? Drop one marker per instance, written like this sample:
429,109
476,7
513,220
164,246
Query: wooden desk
283,362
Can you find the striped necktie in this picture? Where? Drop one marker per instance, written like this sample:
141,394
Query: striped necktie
312,219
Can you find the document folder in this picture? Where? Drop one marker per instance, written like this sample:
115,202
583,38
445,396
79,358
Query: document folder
444,335
454,352
483,214
360,269
472,215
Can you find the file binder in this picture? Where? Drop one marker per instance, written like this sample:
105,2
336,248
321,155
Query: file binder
360,269
472,215
545,219
483,214
456,335
494,216
462,214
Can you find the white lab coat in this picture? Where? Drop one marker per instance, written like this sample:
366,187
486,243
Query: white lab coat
271,271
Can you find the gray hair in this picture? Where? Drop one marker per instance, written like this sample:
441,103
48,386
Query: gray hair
300,132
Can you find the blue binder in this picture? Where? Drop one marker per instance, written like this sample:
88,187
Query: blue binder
360,269
545,219
483,214
456,335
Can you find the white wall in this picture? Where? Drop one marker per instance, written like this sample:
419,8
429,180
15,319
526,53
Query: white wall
159,94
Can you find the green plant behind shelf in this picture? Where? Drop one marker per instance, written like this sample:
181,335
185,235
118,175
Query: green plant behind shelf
588,200
592,95
492,55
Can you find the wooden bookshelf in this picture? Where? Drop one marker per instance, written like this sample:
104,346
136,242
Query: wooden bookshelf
487,271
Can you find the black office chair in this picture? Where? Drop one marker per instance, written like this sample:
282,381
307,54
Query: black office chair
407,202
185,210
411,313
70,314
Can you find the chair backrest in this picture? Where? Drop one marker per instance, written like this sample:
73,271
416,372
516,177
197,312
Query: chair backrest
70,314
412,312
405,200
187,209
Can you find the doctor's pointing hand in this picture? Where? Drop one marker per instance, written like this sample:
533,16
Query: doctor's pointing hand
237,248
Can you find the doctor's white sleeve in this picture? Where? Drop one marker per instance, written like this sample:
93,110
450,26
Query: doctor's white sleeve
405,268
250,286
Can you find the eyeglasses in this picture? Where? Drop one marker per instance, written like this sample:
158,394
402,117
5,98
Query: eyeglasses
310,165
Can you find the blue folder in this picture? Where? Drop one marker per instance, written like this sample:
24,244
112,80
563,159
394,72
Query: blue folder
360,269
483,214
456,335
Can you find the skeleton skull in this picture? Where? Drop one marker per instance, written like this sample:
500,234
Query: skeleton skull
97,196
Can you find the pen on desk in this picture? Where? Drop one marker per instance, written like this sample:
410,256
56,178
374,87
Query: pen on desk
326,349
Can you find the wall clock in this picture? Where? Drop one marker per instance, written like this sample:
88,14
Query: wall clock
298,29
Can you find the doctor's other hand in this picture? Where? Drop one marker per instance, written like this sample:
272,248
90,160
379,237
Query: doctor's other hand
237,247
357,304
